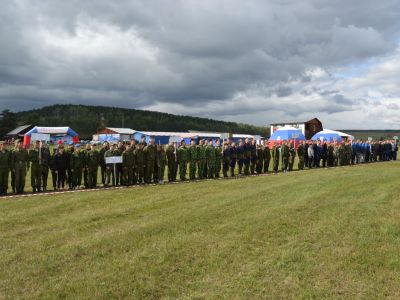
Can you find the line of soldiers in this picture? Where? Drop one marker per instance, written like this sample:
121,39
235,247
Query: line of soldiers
146,163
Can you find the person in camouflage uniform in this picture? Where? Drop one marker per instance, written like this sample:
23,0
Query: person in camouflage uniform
342,154
110,167
20,165
150,159
92,158
210,156
171,161
77,163
205,169
330,157
292,156
127,166
140,163
12,169
193,157
233,157
201,154
218,158
226,160
300,155
336,155
275,157
102,162
5,166
35,165
285,156
182,156
132,148
266,156
161,161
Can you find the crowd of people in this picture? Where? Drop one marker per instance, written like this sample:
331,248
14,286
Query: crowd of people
76,166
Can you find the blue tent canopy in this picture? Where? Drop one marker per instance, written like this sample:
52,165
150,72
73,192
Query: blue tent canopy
327,135
287,133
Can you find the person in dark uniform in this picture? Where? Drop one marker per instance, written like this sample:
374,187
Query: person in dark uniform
240,157
233,157
61,165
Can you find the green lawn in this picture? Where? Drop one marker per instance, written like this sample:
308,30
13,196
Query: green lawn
326,233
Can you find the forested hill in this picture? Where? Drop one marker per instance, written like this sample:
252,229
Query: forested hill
86,120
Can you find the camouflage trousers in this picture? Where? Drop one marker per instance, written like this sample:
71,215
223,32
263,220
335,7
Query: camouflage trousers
182,169
217,168
266,165
210,168
192,169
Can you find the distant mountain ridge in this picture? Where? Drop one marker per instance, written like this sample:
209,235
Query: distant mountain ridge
86,120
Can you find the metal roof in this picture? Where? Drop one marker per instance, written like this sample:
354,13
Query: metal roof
122,130
192,134
17,130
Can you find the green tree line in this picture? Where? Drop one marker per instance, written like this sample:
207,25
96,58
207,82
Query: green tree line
86,120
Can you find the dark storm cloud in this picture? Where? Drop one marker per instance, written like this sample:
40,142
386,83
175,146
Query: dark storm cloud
191,53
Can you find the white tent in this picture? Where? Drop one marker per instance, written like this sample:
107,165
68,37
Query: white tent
342,134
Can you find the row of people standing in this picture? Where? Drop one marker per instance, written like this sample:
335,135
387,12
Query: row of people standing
147,163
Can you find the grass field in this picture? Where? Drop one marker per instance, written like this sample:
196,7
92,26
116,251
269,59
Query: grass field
327,233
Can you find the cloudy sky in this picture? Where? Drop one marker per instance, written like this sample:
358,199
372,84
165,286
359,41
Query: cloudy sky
250,61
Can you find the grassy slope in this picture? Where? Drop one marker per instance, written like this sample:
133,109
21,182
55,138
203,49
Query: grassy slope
319,233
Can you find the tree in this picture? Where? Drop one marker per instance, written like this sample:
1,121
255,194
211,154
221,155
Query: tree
8,122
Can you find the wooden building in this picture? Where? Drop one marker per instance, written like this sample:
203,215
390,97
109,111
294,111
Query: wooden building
308,128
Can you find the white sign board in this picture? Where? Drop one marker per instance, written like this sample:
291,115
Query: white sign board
224,136
40,137
370,139
321,138
257,137
114,160
395,137
175,139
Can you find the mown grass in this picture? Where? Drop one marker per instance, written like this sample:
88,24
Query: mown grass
327,233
